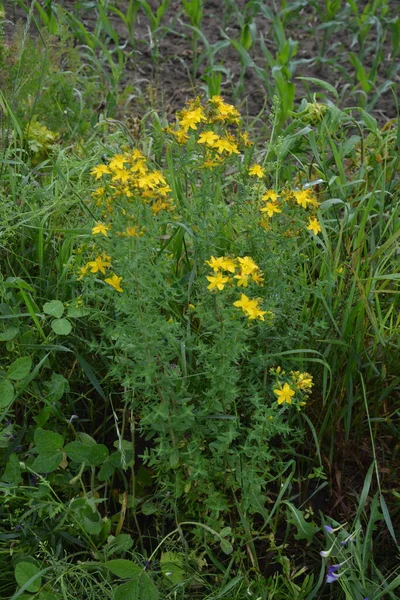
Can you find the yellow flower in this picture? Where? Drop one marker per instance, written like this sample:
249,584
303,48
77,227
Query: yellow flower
208,137
132,231
190,118
257,171
224,145
228,264
83,271
304,381
217,281
117,163
303,197
99,171
242,280
99,264
270,195
250,307
115,282
258,278
216,264
314,225
285,394
270,208
101,228
247,265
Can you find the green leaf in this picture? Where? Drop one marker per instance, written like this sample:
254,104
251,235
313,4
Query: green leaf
6,393
46,596
55,308
12,472
126,569
127,591
46,462
74,312
87,514
226,547
24,571
172,567
61,326
121,543
147,589
92,455
9,334
57,386
47,441
20,368
305,530
324,84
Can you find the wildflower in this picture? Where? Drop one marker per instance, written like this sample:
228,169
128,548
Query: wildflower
101,228
242,280
132,231
217,281
216,264
224,145
270,195
285,394
117,163
247,265
99,264
257,278
228,264
270,208
302,197
83,271
250,307
99,171
314,225
304,381
191,118
115,282
257,171
209,138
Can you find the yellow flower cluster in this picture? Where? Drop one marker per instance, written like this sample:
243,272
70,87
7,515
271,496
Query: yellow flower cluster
216,127
273,202
129,175
99,265
297,390
242,271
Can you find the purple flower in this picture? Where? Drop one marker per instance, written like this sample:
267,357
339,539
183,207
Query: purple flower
332,577
328,528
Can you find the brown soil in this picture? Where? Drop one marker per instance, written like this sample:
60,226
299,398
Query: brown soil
163,74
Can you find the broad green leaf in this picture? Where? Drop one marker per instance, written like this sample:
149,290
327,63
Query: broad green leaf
46,596
55,308
12,472
57,386
46,462
121,543
47,441
323,84
172,567
127,591
24,571
92,455
9,334
226,547
126,569
147,588
61,326
305,529
87,514
6,393
20,368
77,312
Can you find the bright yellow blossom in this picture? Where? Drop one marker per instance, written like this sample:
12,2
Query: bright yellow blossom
270,208
101,228
217,281
228,264
115,282
216,264
209,138
270,195
250,307
99,171
314,225
257,171
191,118
247,265
224,145
285,394
242,280
99,264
